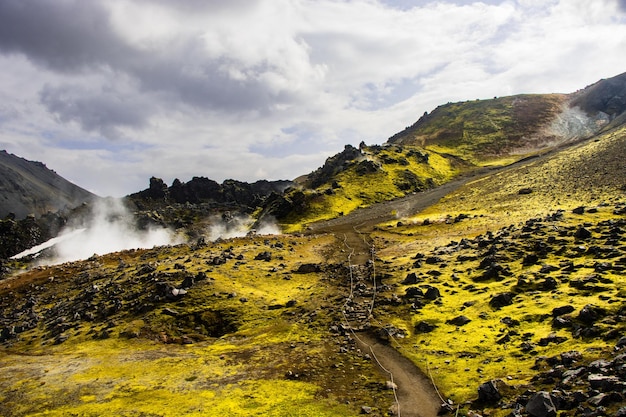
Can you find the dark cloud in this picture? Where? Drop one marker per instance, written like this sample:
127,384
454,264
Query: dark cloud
622,5
103,111
208,87
62,35
76,37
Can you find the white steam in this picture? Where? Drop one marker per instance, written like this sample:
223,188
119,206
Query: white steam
227,227
111,228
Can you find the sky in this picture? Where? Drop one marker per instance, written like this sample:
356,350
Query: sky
109,93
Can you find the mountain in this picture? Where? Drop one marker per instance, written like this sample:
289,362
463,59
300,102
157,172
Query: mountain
453,141
28,187
485,130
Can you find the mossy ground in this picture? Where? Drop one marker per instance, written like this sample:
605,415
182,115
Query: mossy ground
459,358
273,355
394,172
485,131
251,337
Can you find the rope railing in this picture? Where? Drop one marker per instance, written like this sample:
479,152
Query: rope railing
444,402
371,308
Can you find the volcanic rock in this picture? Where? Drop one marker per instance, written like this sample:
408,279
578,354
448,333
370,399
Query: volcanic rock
541,405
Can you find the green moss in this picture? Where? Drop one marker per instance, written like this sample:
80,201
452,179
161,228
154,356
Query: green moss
392,172
460,358
481,131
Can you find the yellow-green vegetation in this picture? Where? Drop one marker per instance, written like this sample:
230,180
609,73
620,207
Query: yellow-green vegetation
243,326
491,223
383,173
505,341
249,337
588,174
137,377
481,131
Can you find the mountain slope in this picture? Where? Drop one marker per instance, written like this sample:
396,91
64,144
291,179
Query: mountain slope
483,130
28,187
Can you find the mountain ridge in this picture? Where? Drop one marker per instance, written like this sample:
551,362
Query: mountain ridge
31,188
519,124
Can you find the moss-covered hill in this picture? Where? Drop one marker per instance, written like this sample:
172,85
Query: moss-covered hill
358,178
453,140
515,278
485,130
527,271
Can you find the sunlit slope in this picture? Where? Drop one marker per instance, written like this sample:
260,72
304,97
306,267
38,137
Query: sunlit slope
239,327
506,252
375,174
483,130
451,140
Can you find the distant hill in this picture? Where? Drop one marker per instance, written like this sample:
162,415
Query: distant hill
484,130
28,187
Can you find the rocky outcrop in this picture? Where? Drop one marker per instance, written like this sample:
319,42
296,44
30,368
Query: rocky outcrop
230,193
606,96
334,165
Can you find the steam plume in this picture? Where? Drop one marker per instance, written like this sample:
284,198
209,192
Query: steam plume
228,226
109,228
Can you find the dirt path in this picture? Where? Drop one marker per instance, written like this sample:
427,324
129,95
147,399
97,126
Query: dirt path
415,392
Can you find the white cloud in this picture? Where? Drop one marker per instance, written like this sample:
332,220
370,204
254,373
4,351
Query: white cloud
244,89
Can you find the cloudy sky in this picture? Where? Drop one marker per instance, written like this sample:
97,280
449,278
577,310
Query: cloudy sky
111,92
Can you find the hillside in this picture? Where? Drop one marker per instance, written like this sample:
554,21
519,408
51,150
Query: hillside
28,187
453,141
35,203
483,131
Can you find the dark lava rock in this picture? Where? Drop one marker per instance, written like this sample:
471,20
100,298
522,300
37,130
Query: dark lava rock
545,341
549,284
530,259
589,314
433,260
605,383
413,292
488,392
510,322
424,327
264,256
411,279
458,321
188,282
573,356
559,311
604,399
541,405
308,268
582,233
501,300
432,293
